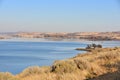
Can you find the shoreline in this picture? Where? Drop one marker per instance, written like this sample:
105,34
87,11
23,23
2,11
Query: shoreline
49,40
92,36
82,64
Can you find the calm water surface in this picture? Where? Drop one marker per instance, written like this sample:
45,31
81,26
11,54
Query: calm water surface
18,54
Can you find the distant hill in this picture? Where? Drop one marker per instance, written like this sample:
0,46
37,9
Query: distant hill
64,35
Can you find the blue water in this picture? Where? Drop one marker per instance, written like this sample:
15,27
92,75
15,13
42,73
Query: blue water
16,55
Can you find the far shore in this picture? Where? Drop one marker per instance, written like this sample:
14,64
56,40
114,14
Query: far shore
92,36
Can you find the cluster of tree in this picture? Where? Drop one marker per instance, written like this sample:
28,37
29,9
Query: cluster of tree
93,46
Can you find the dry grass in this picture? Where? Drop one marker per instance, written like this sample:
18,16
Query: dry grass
34,71
67,66
81,67
7,76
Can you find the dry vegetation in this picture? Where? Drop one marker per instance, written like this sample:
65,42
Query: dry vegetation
99,64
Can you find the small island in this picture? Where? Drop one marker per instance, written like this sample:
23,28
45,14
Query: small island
90,47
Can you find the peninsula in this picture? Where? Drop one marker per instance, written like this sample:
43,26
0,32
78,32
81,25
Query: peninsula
100,64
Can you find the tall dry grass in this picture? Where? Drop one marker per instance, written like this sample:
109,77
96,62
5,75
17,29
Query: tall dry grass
7,76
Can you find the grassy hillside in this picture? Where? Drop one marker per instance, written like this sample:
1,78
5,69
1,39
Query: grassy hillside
99,64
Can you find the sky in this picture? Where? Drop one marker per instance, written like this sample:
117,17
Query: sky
59,15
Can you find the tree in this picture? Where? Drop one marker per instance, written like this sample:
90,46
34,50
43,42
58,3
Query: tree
88,46
99,46
94,46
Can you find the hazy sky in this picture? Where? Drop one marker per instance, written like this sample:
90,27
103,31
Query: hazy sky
59,15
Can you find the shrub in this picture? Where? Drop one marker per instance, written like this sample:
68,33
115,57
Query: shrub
64,67
99,46
82,64
34,70
92,69
109,56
